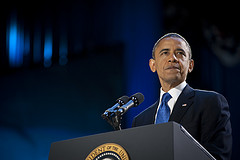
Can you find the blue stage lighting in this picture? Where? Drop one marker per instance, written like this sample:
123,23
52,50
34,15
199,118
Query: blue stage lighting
48,49
15,43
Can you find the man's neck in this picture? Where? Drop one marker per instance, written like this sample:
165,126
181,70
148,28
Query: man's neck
167,86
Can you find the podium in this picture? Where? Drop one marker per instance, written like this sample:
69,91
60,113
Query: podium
168,141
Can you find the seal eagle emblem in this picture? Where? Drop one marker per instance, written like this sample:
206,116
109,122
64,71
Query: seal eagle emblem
108,151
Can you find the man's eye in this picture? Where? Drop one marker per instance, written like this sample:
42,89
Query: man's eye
164,53
180,53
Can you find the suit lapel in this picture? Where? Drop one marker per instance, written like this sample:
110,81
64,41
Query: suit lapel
154,111
184,101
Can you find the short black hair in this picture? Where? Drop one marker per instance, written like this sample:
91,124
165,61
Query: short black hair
174,35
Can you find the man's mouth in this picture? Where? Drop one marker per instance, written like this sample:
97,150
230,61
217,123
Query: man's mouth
173,67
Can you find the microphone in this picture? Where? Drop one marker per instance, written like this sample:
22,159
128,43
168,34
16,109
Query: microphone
134,101
119,102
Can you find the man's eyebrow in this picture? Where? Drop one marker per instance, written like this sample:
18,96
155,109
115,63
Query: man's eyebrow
180,49
165,49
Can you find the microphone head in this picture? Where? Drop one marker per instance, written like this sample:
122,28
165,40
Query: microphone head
137,98
122,100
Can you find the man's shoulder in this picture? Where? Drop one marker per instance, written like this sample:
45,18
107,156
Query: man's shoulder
207,93
211,99
148,110
146,117
204,93
206,97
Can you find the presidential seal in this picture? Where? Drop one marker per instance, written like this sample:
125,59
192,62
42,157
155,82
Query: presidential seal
108,151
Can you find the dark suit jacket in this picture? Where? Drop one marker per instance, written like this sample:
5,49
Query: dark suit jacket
204,114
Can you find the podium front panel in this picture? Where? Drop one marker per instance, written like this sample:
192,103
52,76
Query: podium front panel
162,141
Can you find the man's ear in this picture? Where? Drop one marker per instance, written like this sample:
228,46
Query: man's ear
152,65
191,66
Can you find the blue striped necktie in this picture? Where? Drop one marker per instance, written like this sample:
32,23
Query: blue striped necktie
163,113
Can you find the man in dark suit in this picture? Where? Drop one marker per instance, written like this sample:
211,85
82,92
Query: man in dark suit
204,114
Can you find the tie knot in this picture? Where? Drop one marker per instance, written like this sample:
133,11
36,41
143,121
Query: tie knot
166,97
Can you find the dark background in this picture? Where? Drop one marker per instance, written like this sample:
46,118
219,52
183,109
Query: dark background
62,63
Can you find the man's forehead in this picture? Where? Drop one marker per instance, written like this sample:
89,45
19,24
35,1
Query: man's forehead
172,41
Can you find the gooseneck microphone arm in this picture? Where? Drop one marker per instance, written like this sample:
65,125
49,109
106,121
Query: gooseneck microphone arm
114,114
119,102
111,116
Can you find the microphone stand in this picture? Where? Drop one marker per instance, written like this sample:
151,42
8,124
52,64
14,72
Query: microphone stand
114,119
114,114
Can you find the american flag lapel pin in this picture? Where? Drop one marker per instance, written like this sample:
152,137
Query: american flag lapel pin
184,105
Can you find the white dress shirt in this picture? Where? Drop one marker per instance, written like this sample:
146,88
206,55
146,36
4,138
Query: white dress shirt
174,92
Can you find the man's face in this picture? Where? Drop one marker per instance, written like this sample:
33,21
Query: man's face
172,61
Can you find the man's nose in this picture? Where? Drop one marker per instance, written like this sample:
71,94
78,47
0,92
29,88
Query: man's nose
172,58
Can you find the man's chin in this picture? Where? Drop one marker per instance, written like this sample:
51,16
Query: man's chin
173,79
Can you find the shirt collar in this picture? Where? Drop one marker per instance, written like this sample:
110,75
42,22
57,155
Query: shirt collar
175,92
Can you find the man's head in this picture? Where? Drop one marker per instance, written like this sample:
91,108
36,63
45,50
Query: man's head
173,35
172,60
